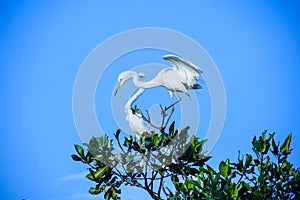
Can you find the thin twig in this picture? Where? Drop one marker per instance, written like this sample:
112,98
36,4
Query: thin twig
177,156
160,186
146,182
154,174
149,121
163,113
154,179
163,189
172,111
120,144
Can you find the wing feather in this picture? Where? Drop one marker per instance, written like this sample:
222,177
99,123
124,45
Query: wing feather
187,69
172,80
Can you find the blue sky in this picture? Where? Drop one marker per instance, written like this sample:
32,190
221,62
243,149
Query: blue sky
255,45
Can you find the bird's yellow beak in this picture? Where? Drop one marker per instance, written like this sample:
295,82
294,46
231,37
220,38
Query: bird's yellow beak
118,87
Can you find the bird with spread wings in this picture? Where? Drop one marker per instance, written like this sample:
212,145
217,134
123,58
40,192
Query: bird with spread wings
181,77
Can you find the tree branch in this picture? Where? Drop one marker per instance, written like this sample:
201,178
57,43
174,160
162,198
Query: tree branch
160,186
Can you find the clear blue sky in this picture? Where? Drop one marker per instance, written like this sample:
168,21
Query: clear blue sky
255,44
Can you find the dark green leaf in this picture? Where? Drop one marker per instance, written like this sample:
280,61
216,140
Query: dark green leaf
88,157
108,194
275,147
174,178
79,150
171,128
247,186
76,158
248,160
117,134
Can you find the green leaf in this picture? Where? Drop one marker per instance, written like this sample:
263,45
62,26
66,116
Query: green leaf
224,168
118,134
275,147
286,145
155,139
90,176
262,144
79,150
76,158
235,192
264,133
108,194
101,172
174,178
88,157
160,170
248,160
95,191
192,171
187,185
247,186
171,128
216,179
136,146
201,160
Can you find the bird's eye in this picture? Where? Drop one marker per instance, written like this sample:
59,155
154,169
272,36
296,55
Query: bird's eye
141,75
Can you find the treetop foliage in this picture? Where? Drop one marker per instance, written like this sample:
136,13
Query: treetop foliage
172,157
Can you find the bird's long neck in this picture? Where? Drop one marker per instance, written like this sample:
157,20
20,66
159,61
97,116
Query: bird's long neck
132,99
136,80
142,84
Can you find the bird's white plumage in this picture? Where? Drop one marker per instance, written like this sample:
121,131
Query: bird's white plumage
189,71
181,77
172,80
135,121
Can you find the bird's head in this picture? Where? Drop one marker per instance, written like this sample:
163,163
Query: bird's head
125,76
122,78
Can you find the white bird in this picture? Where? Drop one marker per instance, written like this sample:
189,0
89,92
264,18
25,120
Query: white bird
181,77
135,121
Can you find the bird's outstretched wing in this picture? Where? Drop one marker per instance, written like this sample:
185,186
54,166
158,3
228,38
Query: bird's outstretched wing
186,68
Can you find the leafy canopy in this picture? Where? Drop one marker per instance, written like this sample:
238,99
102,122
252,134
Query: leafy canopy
152,160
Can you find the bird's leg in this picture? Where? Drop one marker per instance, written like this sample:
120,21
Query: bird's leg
173,109
173,104
163,114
